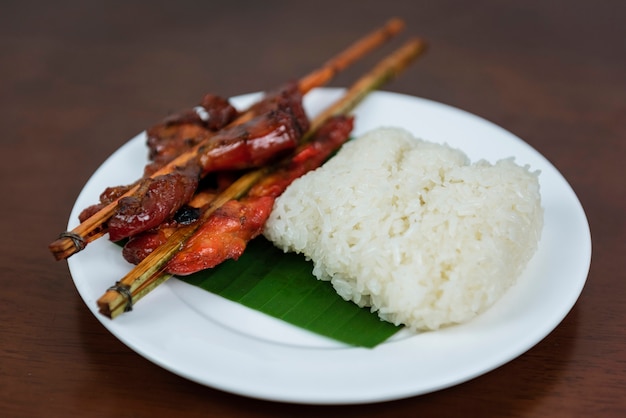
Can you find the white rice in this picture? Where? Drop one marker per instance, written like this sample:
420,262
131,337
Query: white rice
412,228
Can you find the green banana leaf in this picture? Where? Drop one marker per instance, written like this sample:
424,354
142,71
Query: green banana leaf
281,285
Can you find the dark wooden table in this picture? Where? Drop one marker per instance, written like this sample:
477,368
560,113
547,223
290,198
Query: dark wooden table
79,78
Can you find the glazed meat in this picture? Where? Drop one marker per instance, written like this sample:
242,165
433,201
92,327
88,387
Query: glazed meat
181,131
158,199
228,230
253,143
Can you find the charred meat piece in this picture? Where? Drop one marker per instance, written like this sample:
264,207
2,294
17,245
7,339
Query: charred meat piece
109,195
223,236
252,144
277,124
181,131
157,200
288,97
139,246
326,141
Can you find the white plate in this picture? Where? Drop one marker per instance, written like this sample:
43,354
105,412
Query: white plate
223,345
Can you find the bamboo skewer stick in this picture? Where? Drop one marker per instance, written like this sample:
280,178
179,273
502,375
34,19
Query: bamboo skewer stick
116,300
71,242
149,273
387,69
356,51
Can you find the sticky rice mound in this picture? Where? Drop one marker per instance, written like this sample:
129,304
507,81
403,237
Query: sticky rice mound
411,228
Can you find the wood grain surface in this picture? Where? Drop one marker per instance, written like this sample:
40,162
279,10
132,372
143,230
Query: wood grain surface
80,78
